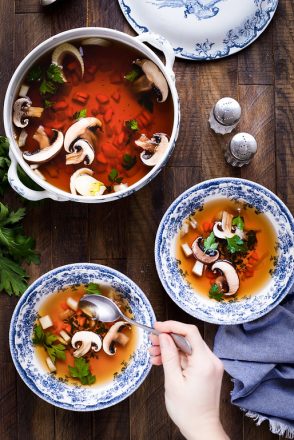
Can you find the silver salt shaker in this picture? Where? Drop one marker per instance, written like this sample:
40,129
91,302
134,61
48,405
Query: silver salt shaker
241,149
225,115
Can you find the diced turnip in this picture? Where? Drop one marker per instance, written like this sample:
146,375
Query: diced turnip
72,303
65,336
184,230
198,268
193,223
46,322
50,365
24,91
187,250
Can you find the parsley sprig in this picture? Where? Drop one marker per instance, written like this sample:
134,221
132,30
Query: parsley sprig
81,371
80,114
215,293
133,74
114,177
93,289
132,125
129,161
4,163
235,244
49,79
210,243
238,222
48,341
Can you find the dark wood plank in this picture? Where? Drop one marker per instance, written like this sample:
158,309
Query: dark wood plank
284,100
27,6
107,14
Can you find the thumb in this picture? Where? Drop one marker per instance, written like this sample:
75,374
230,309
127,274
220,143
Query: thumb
170,358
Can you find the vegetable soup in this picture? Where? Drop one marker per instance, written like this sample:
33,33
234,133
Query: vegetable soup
226,250
76,348
93,117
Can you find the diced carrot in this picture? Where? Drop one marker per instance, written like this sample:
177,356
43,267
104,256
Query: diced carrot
60,105
121,138
251,261
103,99
63,305
81,98
206,226
108,115
67,328
255,255
249,273
81,320
116,96
109,150
209,275
101,158
58,326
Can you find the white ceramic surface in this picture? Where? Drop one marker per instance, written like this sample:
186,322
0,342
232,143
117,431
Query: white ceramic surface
77,34
201,29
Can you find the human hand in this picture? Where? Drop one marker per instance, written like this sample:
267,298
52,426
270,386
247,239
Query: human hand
192,382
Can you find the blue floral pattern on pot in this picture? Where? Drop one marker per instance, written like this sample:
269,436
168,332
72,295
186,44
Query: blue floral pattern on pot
47,386
233,311
210,29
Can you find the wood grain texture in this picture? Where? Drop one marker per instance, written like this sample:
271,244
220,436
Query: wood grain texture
122,234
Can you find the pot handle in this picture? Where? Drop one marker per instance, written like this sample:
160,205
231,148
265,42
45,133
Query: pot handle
162,44
20,188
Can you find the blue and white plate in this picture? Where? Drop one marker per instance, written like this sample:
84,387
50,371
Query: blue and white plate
201,29
68,395
231,312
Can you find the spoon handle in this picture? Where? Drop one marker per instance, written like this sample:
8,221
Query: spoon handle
179,340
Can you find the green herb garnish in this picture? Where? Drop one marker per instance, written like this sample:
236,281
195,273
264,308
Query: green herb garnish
48,104
4,163
132,124
15,248
215,293
129,161
239,222
114,177
133,74
82,372
80,114
47,87
210,243
235,244
54,73
48,341
93,289
35,74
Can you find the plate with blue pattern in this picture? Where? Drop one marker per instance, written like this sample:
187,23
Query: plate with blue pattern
201,29
233,311
59,392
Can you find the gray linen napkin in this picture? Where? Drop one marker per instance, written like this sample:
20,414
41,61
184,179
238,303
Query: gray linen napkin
259,356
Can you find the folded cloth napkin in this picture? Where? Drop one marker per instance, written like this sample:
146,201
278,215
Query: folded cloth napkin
259,356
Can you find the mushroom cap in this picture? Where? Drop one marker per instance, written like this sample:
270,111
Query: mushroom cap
229,272
112,336
95,41
150,159
67,49
88,340
82,151
46,154
83,183
20,108
155,77
78,129
201,255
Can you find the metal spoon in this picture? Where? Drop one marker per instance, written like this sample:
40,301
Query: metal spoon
104,309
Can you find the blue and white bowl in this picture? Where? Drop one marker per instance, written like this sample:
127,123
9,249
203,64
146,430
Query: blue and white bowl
231,312
68,395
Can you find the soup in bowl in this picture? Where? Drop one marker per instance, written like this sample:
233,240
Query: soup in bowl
224,251
92,115
69,359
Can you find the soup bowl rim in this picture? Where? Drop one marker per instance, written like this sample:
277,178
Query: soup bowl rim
136,42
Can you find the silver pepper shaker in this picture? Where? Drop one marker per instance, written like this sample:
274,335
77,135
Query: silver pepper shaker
241,150
225,115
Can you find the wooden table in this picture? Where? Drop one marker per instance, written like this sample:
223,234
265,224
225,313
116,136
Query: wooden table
121,234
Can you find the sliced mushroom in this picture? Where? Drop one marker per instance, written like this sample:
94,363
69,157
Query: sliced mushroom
152,79
95,41
85,341
206,257
154,148
223,229
23,110
67,49
79,130
114,336
41,137
82,182
82,151
46,154
230,274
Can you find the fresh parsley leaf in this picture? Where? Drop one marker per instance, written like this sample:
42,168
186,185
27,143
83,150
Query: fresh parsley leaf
93,289
82,372
215,293
235,244
129,161
239,222
4,163
80,114
13,279
47,87
54,73
48,104
132,124
133,74
48,341
35,74
113,176
210,243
